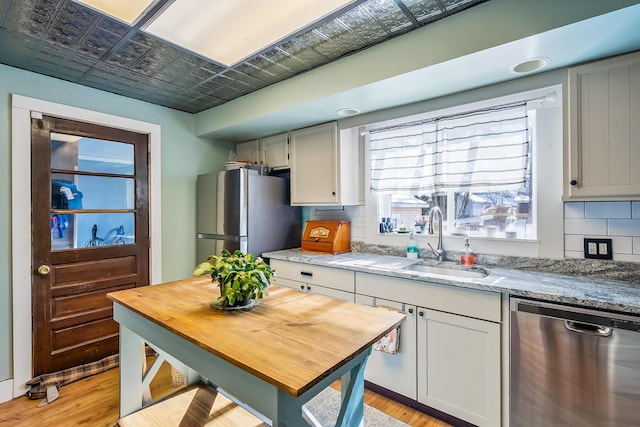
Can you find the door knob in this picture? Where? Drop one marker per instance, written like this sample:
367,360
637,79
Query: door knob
44,270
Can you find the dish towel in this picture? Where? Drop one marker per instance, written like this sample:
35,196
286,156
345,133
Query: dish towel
389,343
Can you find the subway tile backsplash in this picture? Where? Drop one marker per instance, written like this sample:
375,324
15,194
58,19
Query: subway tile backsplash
619,221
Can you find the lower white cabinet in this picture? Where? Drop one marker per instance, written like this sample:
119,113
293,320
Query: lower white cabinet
456,343
450,342
459,366
395,372
314,279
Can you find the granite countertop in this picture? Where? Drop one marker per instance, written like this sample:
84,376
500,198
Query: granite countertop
596,293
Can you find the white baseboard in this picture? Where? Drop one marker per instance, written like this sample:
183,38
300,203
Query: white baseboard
6,390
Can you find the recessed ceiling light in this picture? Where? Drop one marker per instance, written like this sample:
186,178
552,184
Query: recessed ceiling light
125,10
529,65
348,111
229,31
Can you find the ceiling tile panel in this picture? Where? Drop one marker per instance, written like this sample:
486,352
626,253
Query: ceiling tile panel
361,22
323,44
425,10
303,52
254,69
66,40
389,15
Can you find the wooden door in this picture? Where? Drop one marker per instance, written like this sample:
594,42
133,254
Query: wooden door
90,236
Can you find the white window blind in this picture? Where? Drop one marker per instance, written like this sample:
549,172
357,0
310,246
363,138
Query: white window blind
485,149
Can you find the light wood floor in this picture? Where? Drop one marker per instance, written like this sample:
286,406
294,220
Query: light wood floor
93,401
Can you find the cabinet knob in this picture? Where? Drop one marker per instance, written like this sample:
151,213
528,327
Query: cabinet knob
309,288
421,313
410,311
302,287
573,182
333,193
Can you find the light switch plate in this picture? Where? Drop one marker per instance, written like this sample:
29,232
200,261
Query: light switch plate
597,248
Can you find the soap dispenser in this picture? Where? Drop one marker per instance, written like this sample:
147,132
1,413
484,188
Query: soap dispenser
412,247
468,258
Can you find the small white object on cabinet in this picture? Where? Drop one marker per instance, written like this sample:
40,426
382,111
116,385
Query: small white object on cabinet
326,166
272,151
602,133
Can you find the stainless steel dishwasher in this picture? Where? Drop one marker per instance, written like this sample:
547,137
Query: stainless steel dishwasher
573,366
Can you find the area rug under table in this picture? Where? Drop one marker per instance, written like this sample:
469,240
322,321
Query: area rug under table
326,406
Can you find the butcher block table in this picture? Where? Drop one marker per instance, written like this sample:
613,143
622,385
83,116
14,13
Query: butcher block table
274,357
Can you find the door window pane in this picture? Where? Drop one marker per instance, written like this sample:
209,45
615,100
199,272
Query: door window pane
74,153
85,230
91,192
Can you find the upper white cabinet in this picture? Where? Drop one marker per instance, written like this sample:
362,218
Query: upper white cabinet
276,150
602,130
272,151
249,150
325,166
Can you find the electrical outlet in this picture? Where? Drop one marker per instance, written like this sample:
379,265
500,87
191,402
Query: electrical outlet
597,248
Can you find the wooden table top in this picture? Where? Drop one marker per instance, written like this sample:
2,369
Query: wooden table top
291,339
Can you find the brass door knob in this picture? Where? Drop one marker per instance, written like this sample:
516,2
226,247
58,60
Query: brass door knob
44,270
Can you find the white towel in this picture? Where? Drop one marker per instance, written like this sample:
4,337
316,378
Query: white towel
389,343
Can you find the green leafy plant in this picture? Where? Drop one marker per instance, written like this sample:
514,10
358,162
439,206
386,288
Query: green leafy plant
241,277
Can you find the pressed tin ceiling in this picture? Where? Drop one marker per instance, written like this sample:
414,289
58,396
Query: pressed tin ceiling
70,41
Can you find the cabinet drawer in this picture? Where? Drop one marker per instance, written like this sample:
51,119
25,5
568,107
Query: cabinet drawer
328,277
467,302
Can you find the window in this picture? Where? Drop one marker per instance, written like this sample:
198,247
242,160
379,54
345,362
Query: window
476,166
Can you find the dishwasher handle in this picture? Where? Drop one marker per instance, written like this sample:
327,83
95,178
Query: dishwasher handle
587,328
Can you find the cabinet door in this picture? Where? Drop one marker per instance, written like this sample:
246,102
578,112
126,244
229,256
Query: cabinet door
603,134
395,372
313,161
249,150
459,366
276,150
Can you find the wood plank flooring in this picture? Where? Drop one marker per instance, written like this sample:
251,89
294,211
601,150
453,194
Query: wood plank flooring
93,401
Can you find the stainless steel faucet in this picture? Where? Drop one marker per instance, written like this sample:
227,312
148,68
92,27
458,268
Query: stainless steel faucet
439,252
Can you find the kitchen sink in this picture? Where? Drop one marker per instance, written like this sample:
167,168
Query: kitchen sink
453,271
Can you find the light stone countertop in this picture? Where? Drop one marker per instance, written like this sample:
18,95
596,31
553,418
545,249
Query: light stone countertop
578,290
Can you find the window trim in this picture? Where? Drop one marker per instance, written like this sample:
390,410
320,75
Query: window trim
550,240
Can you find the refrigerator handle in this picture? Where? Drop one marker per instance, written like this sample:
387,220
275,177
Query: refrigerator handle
227,237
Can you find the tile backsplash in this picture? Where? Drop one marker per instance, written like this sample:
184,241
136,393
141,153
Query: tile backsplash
618,221
355,214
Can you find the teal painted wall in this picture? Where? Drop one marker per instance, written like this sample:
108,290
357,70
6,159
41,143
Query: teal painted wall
184,156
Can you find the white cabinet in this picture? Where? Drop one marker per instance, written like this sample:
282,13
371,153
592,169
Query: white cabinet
457,345
459,366
326,167
395,372
315,279
249,150
602,130
272,151
276,150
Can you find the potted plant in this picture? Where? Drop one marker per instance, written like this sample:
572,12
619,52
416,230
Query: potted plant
242,278
420,222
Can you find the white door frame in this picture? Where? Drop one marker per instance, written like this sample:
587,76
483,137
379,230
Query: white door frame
21,108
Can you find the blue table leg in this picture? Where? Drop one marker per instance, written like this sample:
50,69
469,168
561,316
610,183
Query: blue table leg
352,394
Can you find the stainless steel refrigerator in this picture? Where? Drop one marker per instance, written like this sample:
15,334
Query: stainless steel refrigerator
241,209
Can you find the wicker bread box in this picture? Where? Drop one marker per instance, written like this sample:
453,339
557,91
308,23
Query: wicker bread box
332,237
